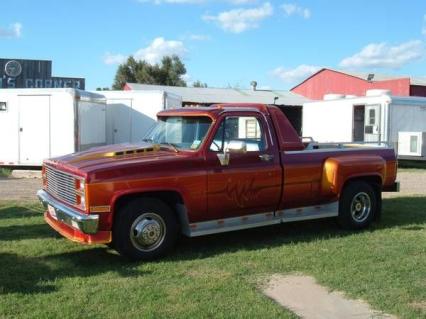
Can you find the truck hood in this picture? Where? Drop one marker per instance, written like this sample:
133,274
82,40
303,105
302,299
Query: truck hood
114,156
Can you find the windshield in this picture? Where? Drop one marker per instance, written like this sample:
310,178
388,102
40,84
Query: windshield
180,132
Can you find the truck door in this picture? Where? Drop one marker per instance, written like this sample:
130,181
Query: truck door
372,120
34,129
250,182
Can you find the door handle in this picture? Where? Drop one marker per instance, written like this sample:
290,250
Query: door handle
266,157
21,129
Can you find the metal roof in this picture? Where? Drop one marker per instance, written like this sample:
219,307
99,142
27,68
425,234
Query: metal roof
226,95
383,77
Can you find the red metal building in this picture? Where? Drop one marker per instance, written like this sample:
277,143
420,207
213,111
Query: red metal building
329,81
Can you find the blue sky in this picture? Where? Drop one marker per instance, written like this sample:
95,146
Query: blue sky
223,42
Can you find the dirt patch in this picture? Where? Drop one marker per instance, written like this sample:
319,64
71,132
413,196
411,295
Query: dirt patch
420,305
19,189
411,182
309,300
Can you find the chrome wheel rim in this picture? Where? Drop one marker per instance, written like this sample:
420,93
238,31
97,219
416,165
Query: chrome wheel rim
148,232
361,207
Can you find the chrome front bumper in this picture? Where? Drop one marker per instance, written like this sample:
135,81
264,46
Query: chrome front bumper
87,224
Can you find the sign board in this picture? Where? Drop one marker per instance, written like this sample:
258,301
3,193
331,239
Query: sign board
18,73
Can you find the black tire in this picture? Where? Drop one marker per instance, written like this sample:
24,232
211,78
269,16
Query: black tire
144,229
357,206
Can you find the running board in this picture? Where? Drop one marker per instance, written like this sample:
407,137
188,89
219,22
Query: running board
264,219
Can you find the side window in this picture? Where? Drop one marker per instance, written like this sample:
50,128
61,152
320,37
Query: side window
372,117
242,133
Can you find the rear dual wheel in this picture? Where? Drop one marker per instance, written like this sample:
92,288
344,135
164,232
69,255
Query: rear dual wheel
358,205
145,229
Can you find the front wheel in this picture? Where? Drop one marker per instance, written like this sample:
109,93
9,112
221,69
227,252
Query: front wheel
357,206
145,229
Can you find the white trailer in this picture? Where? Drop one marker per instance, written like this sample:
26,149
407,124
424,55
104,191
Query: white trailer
41,123
130,114
376,117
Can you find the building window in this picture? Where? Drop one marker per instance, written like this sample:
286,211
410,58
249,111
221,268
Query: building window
3,106
242,130
413,144
372,117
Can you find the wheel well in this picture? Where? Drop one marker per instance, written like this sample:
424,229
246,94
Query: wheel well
171,198
374,181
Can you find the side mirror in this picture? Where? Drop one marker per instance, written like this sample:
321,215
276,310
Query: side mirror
224,158
233,146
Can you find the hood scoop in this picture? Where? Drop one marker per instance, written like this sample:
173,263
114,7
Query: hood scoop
123,153
137,151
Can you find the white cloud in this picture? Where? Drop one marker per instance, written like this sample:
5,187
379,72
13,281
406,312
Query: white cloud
153,53
198,37
383,55
110,58
159,48
424,25
297,74
293,9
239,20
13,31
186,77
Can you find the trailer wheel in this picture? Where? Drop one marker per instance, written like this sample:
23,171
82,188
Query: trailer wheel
357,205
145,229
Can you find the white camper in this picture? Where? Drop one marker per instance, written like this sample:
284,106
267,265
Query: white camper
36,124
130,114
376,117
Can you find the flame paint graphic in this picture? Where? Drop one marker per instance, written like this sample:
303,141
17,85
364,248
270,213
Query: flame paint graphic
242,192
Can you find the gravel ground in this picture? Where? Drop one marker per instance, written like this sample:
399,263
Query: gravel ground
413,182
19,189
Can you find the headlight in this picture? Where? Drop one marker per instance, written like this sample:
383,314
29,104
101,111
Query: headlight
80,188
44,176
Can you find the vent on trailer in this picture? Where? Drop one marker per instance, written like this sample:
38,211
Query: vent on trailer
412,143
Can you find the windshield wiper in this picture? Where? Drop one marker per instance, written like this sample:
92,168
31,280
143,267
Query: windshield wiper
175,148
147,140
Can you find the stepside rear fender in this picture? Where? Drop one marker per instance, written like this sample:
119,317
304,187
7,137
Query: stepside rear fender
339,169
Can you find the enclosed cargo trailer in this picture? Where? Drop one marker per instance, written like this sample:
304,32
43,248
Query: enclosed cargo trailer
36,124
130,114
376,117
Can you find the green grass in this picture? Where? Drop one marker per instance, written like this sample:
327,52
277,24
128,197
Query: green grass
45,276
5,172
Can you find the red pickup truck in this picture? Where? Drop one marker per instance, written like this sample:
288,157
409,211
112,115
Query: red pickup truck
206,170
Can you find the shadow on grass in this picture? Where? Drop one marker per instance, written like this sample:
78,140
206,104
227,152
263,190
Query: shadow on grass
10,211
408,213
35,274
30,275
31,231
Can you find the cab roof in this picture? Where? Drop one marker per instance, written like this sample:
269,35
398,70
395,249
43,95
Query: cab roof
215,110
288,140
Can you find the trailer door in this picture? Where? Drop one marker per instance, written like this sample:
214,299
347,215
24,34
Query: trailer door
119,120
372,123
34,129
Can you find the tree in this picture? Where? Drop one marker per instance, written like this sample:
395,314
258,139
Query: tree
168,72
199,84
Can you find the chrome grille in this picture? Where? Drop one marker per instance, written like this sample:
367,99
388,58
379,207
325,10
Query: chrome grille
61,185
